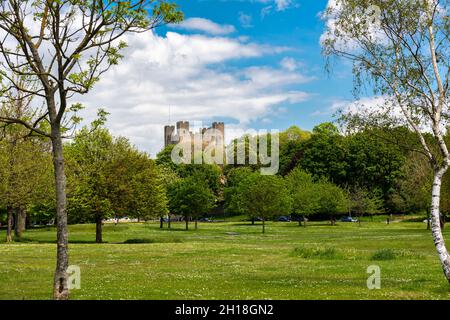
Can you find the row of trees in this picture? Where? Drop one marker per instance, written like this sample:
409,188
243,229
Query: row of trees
108,177
329,172
383,163
25,178
297,194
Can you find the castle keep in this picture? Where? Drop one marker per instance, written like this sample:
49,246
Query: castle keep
172,136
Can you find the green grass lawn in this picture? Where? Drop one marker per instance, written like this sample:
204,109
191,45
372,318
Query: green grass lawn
230,260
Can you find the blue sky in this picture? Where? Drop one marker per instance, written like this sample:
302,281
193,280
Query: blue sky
298,27
253,64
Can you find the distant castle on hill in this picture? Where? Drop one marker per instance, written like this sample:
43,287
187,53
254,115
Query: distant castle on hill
182,131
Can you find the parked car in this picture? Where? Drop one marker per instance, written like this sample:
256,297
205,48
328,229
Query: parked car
205,220
255,219
301,218
284,219
348,219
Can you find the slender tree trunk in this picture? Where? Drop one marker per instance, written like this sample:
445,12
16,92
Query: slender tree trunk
187,223
60,289
27,221
253,221
10,213
435,223
263,225
19,226
16,223
168,221
98,230
161,222
428,219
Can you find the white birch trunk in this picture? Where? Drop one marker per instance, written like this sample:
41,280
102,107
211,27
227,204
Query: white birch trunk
436,230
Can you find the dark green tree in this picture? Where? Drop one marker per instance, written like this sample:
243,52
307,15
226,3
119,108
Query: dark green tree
108,176
325,154
265,196
311,198
305,198
291,147
234,178
375,161
332,199
191,197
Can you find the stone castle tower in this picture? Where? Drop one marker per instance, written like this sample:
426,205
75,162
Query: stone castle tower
182,129
169,132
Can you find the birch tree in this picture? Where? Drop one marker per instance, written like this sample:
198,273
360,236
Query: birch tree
400,49
63,47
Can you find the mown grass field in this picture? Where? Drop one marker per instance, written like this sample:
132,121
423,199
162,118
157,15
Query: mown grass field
231,260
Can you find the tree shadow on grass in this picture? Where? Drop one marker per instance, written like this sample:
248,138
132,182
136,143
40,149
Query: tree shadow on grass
150,240
47,241
175,230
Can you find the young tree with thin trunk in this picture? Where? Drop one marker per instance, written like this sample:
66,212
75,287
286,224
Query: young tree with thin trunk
265,196
305,195
64,47
361,202
401,49
191,197
168,177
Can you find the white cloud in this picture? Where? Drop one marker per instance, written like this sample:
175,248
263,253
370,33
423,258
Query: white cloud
189,75
362,105
277,6
265,77
289,64
245,20
380,107
283,4
205,25
266,11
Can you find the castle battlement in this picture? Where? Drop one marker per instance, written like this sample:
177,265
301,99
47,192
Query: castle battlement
172,136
